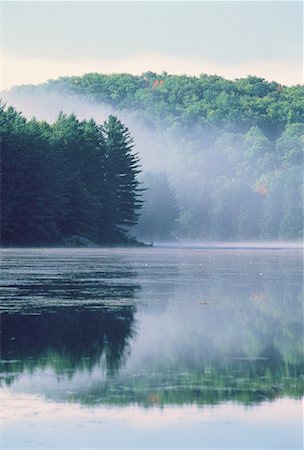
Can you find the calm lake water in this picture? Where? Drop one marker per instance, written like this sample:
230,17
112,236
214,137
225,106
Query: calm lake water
152,348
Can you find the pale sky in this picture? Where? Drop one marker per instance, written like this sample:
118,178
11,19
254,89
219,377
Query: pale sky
43,40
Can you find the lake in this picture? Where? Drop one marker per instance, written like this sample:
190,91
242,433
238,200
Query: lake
152,348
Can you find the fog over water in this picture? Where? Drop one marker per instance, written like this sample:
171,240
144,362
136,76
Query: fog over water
157,347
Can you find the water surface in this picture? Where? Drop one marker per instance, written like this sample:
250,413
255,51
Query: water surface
152,348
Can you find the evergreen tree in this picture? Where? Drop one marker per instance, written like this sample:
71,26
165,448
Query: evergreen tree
121,167
69,179
30,194
81,146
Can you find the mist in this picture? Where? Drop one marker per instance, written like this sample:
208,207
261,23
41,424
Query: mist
157,152
201,186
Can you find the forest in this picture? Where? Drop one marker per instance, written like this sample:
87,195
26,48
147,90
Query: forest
70,183
221,159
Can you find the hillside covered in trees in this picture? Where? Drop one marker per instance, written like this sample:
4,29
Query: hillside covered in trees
71,182
227,155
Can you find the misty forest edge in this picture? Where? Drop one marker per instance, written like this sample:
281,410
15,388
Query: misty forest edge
80,183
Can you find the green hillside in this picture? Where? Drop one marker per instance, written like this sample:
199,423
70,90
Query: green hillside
238,146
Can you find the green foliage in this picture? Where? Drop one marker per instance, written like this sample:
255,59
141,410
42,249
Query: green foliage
212,101
31,196
121,167
283,212
69,179
240,141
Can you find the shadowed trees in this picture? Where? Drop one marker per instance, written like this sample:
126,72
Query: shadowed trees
72,178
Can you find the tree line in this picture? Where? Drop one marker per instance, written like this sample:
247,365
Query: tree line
69,180
210,102
239,147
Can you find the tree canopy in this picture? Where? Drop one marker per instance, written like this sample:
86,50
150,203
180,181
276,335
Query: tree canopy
72,178
239,147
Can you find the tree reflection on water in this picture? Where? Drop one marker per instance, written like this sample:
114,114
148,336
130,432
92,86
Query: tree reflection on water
171,334
67,340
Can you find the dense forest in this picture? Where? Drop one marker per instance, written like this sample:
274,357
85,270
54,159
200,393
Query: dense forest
70,183
227,155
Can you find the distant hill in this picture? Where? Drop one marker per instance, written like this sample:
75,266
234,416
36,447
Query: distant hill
207,101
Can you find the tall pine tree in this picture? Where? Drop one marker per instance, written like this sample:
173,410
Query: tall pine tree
121,167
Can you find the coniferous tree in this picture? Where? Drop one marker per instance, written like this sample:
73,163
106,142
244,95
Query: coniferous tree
30,197
66,180
121,167
81,146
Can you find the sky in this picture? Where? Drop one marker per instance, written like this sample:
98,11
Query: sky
43,40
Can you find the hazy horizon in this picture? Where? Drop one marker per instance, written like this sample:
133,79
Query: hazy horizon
45,40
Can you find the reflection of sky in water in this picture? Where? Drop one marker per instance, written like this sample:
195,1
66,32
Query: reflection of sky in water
43,424
168,330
